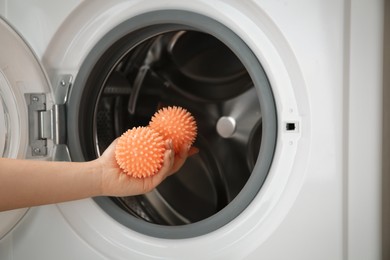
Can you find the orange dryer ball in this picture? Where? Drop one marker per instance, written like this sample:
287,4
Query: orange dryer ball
175,123
140,152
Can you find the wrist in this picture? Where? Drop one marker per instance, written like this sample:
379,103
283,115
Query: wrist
96,173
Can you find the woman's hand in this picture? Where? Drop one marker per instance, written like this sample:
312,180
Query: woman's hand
114,182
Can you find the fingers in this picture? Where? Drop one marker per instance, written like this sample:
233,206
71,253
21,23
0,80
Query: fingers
169,158
169,144
193,150
168,162
180,159
172,163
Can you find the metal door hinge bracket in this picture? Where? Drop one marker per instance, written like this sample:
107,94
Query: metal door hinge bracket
37,116
44,124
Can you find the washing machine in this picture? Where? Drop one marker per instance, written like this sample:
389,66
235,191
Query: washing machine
287,96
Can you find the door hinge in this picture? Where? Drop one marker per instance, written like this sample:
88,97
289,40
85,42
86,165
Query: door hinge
44,124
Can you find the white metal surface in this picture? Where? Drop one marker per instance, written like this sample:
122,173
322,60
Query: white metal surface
322,197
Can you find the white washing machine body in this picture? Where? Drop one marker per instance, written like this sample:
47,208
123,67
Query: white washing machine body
321,195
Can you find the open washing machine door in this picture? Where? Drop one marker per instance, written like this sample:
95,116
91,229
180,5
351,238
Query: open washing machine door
26,109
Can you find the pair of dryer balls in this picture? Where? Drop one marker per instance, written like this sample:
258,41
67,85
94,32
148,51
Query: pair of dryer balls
140,150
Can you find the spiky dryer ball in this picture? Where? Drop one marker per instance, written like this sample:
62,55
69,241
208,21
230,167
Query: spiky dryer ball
177,124
140,152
